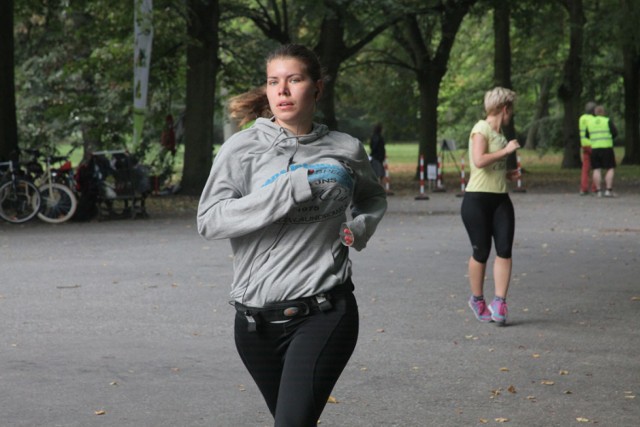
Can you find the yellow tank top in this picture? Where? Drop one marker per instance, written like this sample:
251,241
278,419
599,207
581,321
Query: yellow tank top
492,178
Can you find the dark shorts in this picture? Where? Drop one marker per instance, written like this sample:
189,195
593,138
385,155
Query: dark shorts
603,158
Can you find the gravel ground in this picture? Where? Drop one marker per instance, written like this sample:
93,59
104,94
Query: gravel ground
126,322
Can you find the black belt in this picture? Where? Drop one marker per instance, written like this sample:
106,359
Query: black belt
287,310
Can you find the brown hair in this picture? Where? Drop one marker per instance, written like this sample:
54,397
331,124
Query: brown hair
249,106
302,54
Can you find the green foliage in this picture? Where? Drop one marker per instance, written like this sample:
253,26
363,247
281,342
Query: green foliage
469,77
549,134
74,65
69,87
389,97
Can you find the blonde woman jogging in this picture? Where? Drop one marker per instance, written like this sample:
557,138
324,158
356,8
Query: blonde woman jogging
487,211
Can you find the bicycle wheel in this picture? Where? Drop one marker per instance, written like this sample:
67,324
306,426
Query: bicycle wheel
20,202
58,203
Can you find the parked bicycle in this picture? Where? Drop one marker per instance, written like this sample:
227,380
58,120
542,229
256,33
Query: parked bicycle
56,186
19,198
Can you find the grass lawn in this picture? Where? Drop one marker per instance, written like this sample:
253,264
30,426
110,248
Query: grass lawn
543,173
540,172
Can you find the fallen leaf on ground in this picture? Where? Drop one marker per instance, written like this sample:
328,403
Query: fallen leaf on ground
504,369
547,382
100,412
502,420
535,355
512,389
582,420
635,298
332,400
563,372
483,420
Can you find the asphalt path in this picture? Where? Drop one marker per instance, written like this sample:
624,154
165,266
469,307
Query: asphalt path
126,323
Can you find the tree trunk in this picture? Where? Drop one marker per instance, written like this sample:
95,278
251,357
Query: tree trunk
542,111
202,67
631,109
430,70
331,51
571,87
8,122
502,65
631,76
428,127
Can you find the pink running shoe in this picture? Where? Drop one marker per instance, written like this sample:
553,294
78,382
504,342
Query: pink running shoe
498,309
479,308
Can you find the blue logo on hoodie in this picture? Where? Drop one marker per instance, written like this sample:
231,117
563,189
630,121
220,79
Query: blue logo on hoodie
331,186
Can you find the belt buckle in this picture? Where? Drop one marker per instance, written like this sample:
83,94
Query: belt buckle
295,310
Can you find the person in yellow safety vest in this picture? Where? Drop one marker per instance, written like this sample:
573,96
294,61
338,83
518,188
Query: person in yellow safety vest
601,132
585,144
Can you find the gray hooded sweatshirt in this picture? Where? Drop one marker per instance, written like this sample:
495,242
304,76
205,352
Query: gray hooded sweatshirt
282,199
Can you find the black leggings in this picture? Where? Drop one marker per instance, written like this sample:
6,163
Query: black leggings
297,363
487,216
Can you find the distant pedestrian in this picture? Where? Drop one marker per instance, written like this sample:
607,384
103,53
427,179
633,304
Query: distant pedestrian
280,191
601,132
487,211
378,152
168,136
585,144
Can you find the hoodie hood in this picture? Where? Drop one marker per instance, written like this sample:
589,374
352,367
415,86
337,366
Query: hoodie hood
282,139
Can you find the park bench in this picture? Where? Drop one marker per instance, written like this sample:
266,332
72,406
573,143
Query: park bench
124,185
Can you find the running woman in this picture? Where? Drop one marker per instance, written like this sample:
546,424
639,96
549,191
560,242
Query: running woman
280,191
487,211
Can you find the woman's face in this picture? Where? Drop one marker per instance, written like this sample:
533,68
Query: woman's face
292,94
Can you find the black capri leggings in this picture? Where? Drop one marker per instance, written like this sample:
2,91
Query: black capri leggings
297,363
487,216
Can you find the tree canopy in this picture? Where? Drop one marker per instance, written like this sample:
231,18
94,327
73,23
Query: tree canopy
420,68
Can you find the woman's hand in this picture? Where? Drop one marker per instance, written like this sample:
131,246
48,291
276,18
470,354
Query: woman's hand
512,146
346,236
